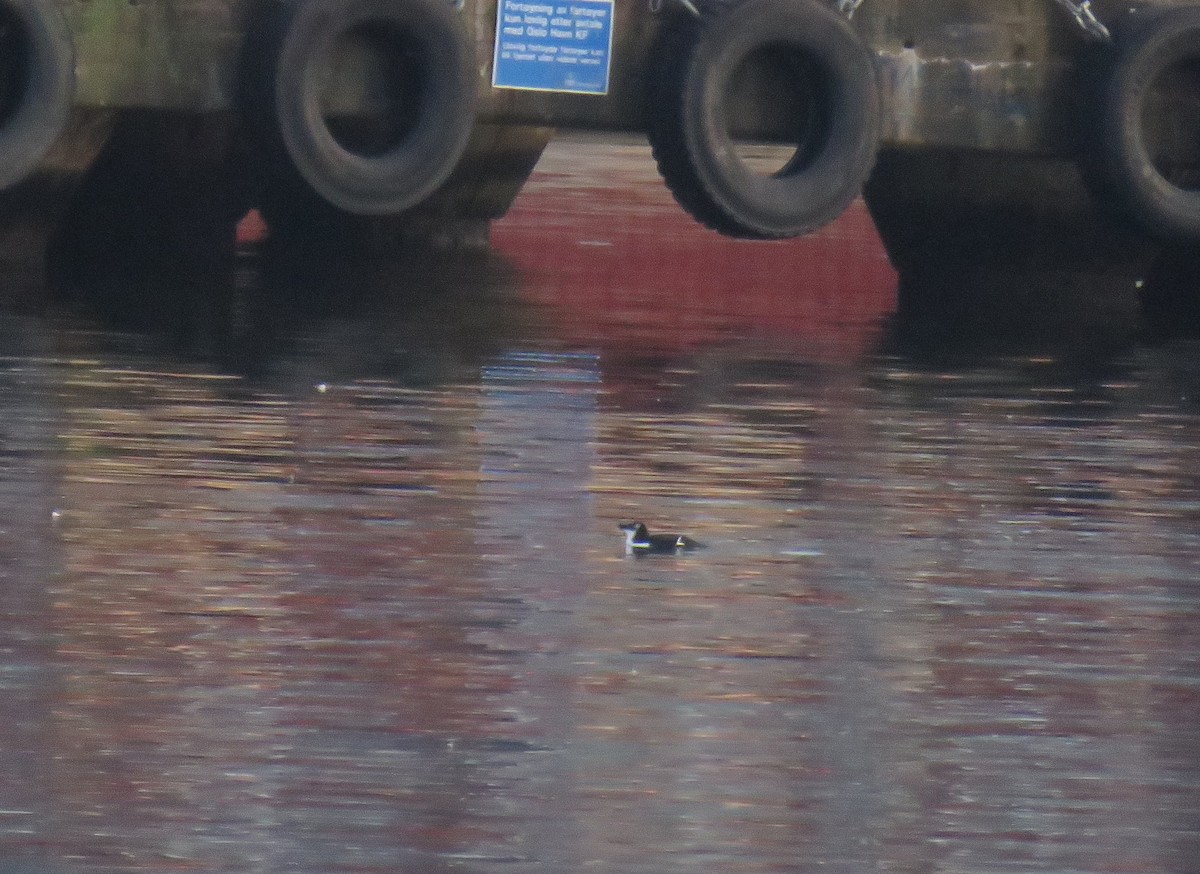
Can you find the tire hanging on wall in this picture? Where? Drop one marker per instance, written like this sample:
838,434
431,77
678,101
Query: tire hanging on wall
1151,45
37,84
690,113
430,92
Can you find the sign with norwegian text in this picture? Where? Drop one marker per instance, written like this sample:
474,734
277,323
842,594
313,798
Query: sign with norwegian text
554,46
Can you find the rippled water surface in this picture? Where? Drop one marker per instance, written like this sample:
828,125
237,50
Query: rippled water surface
369,610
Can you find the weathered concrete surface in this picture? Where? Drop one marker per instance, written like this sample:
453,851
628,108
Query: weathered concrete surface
168,54
992,75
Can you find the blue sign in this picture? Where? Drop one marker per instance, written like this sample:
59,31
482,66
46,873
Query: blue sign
560,45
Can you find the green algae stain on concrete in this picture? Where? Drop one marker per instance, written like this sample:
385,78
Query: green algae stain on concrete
99,27
177,54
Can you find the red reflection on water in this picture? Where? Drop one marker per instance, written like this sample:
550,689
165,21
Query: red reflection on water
617,263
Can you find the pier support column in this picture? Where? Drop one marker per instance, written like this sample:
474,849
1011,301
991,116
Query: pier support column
149,235
999,243
32,210
456,218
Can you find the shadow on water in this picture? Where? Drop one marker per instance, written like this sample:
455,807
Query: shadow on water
416,319
369,610
955,313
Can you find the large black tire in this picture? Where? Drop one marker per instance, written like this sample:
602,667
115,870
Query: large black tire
1152,47
37,84
431,85
689,117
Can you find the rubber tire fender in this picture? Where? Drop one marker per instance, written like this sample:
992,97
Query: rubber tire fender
1145,51
688,118
423,156
37,116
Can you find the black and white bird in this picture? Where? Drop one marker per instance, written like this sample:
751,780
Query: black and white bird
639,541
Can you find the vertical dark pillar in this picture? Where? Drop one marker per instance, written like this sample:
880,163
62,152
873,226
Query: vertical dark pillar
32,210
989,243
148,236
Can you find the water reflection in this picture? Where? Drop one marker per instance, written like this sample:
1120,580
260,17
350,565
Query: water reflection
368,611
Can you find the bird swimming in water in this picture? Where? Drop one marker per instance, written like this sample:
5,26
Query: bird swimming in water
639,541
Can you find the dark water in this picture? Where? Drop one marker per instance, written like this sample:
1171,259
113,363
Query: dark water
369,610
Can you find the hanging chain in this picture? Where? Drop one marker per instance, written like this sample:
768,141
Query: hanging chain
656,6
1081,12
1086,19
